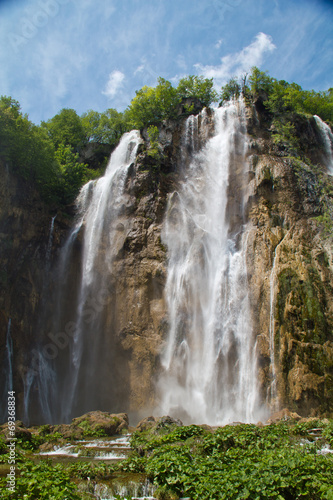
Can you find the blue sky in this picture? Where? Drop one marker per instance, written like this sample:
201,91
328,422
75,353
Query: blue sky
94,54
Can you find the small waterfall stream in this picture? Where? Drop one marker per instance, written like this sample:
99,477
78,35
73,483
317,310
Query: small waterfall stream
7,371
327,138
272,390
49,243
9,350
209,361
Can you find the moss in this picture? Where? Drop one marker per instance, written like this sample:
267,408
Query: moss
161,245
306,305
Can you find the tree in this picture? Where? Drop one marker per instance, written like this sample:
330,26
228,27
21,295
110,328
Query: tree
259,82
197,87
104,128
72,173
151,105
66,128
26,147
230,90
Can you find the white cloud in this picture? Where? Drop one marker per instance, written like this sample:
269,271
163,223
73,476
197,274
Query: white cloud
139,69
239,63
115,83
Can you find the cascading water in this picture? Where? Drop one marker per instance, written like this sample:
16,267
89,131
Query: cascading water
75,369
209,361
272,390
49,243
327,138
7,371
105,204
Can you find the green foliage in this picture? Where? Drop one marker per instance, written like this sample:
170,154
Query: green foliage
151,105
66,128
52,438
280,97
41,480
230,90
237,462
30,444
104,128
284,134
93,470
154,149
27,149
197,87
277,461
46,156
73,173
3,446
259,82
89,431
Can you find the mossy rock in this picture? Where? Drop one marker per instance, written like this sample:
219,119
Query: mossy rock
98,423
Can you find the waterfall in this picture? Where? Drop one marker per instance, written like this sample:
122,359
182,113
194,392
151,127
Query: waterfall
327,138
272,390
209,365
7,372
49,243
9,349
100,204
71,370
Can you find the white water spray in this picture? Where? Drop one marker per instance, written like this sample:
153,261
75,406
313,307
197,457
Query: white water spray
209,362
327,138
272,390
49,243
101,203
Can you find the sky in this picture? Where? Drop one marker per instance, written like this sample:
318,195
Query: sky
94,54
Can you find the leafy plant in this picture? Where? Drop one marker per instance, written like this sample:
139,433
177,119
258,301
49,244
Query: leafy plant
43,481
90,431
237,462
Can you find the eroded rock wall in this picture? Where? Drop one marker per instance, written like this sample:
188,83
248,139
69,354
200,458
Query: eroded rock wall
289,216
290,268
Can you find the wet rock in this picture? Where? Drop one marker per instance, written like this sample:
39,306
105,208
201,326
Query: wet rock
93,421
167,421
146,423
284,414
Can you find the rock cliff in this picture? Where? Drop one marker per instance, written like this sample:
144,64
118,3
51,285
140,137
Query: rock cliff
290,266
289,261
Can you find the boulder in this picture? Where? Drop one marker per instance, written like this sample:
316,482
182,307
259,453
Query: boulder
284,414
146,423
94,421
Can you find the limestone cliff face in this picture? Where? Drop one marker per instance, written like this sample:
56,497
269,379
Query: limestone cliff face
290,268
24,233
289,261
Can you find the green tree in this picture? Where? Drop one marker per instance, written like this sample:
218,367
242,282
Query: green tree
151,105
197,87
73,173
66,128
104,128
27,148
230,90
259,82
